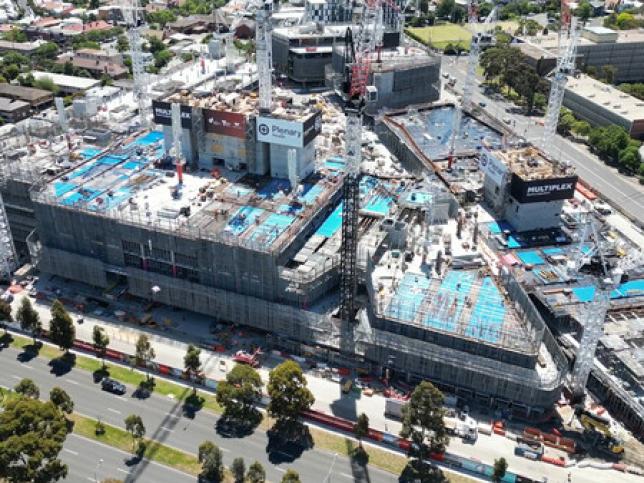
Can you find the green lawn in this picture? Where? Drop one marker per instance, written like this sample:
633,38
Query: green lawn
440,35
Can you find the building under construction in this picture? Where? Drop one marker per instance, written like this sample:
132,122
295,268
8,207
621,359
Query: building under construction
257,250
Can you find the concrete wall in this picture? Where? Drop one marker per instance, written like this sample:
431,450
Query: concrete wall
533,216
400,88
20,213
304,157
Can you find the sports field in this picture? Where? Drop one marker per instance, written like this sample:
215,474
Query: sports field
440,35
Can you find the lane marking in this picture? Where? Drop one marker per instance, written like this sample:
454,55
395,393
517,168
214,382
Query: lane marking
123,471
26,366
225,450
16,377
75,383
281,470
114,411
75,453
346,475
164,428
91,479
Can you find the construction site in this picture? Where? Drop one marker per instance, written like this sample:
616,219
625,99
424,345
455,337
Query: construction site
436,245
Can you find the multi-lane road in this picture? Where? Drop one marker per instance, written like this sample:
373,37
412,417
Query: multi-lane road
165,422
623,191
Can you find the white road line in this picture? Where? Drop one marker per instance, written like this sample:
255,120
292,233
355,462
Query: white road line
16,377
25,366
75,453
123,471
75,383
281,470
346,475
225,450
114,411
166,429
91,479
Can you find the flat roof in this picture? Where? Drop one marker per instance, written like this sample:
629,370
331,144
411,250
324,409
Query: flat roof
607,97
62,80
550,41
311,31
321,49
9,105
597,29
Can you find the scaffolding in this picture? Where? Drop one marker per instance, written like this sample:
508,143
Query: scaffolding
264,55
8,255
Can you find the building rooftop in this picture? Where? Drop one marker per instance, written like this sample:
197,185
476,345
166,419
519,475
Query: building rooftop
242,102
531,164
20,46
9,105
310,31
25,93
607,96
550,41
136,181
75,82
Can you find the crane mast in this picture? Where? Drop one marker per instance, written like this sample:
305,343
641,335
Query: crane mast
130,10
568,38
358,55
264,55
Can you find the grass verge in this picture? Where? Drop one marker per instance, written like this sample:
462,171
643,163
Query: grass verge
121,439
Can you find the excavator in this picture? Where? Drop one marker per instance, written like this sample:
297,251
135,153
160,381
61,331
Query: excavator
597,430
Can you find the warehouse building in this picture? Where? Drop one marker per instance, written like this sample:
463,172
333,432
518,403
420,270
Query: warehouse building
68,84
13,111
37,98
603,105
597,47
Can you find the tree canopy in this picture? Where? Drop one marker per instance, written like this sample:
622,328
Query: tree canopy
61,400
134,426
238,469
256,473
61,327
192,362
211,459
423,421
287,388
361,428
144,353
28,318
100,341
500,467
27,388
291,476
240,391
32,434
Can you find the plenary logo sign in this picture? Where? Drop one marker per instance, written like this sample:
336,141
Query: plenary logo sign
278,131
492,167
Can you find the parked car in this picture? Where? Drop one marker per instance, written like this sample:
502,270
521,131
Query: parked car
110,385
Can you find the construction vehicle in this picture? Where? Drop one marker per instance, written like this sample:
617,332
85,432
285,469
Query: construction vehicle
598,432
243,357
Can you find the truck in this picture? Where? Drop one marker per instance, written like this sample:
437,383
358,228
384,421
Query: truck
393,407
462,426
598,432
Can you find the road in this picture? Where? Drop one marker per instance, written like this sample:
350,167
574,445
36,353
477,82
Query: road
88,460
164,421
623,191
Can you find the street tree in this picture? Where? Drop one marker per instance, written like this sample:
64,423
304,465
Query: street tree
5,314
144,353
239,392
27,388
192,364
134,426
28,318
291,476
61,327
361,428
61,400
238,469
500,467
584,10
101,341
288,392
256,473
423,423
211,459
32,434
609,71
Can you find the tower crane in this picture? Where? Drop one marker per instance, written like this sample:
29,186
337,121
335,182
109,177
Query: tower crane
133,21
358,58
480,37
568,38
8,255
